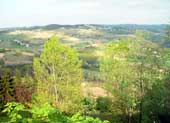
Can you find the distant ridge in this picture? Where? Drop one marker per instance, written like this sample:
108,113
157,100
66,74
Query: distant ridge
56,26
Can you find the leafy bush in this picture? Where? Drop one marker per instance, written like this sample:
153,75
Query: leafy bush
7,86
103,104
44,114
89,105
77,118
47,113
12,109
92,75
41,112
57,116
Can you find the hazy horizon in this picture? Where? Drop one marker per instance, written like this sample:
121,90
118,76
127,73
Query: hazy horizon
79,24
26,13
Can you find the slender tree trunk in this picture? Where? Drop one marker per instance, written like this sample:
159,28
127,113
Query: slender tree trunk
141,95
141,102
56,93
140,113
55,84
130,117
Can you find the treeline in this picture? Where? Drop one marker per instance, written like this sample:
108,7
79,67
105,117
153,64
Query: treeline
136,75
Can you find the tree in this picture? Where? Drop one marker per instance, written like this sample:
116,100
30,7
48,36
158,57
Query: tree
58,74
117,73
146,59
7,86
157,101
130,70
146,74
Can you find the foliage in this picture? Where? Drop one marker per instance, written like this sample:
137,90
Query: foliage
58,75
12,109
131,70
17,77
23,93
24,87
117,73
103,104
45,113
89,105
77,118
92,75
136,73
156,104
147,71
6,87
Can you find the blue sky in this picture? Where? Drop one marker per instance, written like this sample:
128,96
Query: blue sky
41,12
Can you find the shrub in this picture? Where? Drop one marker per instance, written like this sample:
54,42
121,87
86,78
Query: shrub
12,109
78,118
103,104
88,105
23,94
44,114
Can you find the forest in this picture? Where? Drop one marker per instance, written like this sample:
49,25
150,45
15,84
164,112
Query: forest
57,86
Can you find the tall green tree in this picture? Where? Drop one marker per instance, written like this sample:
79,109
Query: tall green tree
117,73
7,86
147,72
146,65
130,69
58,74
156,100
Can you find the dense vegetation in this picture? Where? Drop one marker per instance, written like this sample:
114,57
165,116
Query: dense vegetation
58,86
